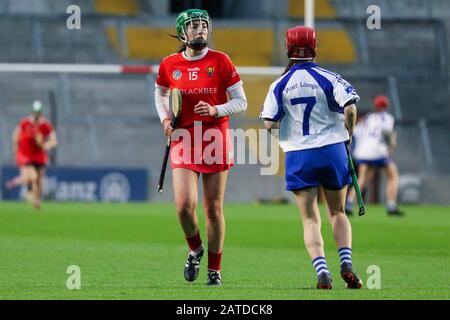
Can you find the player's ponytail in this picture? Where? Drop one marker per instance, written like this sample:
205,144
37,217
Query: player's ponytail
289,66
180,48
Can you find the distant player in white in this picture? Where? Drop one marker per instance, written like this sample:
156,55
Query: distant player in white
375,140
315,112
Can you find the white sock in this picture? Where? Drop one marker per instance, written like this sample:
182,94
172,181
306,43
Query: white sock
392,205
349,205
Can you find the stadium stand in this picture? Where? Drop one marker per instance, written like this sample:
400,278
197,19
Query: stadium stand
21,47
119,7
145,43
242,49
407,58
335,47
43,7
323,9
46,39
439,144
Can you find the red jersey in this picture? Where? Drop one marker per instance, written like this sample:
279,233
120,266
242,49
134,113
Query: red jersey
27,145
205,78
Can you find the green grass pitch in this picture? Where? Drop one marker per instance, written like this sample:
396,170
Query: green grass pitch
137,251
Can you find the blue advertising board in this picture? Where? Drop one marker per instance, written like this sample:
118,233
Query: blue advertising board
85,184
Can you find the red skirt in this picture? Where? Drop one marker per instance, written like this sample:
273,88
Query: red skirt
21,159
205,148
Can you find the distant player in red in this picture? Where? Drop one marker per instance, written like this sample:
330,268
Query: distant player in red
205,77
32,138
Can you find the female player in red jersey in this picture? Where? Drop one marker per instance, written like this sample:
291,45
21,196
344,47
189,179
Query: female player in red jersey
204,77
32,138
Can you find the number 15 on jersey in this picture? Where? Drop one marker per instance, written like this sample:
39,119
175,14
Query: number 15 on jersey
193,75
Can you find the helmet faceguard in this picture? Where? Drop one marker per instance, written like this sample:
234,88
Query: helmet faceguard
187,17
301,43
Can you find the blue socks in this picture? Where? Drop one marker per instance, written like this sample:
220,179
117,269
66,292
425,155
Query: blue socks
346,255
321,265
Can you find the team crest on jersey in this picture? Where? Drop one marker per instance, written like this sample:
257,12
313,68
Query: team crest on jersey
177,74
210,71
350,90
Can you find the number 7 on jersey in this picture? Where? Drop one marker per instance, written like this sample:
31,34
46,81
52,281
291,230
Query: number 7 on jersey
310,103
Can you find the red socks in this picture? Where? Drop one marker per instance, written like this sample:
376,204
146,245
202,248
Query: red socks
214,261
194,242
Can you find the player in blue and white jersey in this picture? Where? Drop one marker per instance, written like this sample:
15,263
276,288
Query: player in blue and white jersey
375,140
315,112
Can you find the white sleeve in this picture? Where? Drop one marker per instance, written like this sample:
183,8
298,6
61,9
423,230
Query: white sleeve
271,110
162,95
344,92
237,103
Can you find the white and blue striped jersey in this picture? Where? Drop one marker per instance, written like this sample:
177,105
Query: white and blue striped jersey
309,102
372,136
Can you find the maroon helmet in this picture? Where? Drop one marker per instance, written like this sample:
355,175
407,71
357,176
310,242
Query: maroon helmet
301,43
381,102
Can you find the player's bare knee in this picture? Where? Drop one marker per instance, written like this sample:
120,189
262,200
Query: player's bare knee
335,215
337,212
214,213
312,222
391,171
32,178
186,209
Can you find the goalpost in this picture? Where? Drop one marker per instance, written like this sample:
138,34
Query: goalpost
309,13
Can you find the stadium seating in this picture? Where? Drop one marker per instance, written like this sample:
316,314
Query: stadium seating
43,7
144,43
154,43
19,49
88,45
323,9
131,100
393,9
439,134
401,46
240,45
256,89
335,47
118,7
409,155
56,43
419,103
410,46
